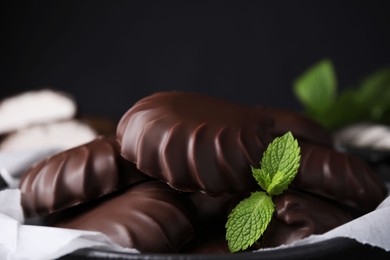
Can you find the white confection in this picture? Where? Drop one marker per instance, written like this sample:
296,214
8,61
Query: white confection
63,135
364,135
34,107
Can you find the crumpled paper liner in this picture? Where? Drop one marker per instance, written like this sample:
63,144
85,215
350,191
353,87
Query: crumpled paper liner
31,242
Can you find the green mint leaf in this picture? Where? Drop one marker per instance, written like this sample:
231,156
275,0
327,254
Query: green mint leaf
279,164
373,94
262,177
316,88
372,87
248,221
345,110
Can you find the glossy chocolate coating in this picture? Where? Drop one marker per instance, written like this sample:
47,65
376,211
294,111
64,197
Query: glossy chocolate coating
209,239
75,176
300,126
298,215
339,176
195,142
214,208
150,216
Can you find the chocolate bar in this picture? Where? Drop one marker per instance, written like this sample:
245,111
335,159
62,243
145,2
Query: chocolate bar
75,176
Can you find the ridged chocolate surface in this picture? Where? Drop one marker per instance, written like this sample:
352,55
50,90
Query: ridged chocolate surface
209,240
339,176
75,176
150,216
211,209
300,126
194,142
298,215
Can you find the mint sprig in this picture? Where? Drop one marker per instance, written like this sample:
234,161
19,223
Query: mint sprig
317,91
278,167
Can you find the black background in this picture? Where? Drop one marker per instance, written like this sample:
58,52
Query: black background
109,54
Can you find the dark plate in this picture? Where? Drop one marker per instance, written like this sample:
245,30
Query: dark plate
338,248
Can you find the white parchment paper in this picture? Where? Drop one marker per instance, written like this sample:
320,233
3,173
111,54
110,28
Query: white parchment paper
32,242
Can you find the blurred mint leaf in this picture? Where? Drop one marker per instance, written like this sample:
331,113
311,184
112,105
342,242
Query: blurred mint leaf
373,94
316,88
345,110
370,101
248,221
